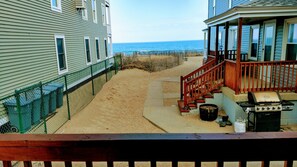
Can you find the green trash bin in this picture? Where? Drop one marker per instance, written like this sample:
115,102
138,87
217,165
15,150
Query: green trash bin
23,121
60,89
52,97
46,102
36,107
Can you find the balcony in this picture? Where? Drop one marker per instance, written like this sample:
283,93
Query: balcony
151,148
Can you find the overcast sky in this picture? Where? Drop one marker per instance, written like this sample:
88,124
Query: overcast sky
157,20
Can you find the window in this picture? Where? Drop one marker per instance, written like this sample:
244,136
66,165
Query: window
214,7
290,39
292,42
254,44
88,51
61,54
230,4
56,5
103,14
94,11
85,11
109,45
105,46
107,15
97,46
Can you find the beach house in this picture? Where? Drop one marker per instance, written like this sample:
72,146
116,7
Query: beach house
251,47
42,40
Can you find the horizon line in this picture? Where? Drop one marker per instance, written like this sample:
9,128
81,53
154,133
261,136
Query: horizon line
161,41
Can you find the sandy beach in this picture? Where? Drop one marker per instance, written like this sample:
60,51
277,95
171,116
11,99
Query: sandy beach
118,107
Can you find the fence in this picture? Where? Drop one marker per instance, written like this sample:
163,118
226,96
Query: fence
155,60
44,107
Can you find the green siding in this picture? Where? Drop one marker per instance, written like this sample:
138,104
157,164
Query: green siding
27,43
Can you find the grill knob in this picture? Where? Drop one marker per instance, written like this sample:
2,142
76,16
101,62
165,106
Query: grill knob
278,108
258,108
268,108
263,108
273,108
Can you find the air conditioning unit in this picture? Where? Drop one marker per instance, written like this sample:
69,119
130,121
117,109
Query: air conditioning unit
80,4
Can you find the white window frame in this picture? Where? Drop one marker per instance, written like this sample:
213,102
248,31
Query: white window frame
107,14
251,41
57,8
94,11
85,11
88,63
103,14
60,72
285,36
97,38
230,4
109,43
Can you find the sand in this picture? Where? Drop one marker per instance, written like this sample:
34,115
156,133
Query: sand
118,107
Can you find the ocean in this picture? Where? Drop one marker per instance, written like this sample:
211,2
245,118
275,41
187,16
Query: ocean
129,48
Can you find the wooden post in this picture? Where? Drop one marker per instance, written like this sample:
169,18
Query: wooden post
226,40
238,71
208,40
217,44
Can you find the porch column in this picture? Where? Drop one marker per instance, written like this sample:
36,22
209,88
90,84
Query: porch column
217,44
238,57
208,41
226,40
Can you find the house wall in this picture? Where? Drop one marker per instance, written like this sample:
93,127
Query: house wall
239,2
27,43
222,6
279,39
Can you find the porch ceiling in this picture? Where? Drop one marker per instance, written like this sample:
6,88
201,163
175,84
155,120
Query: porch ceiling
252,14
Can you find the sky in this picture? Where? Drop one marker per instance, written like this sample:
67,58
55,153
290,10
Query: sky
157,20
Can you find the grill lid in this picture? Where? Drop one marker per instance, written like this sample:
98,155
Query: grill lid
264,97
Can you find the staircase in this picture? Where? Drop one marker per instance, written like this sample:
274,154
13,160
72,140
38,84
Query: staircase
200,84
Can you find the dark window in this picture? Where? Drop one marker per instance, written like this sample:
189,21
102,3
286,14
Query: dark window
61,53
87,43
292,42
97,49
106,49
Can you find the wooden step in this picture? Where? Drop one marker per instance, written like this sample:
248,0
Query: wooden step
217,91
182,108
200,100
208,96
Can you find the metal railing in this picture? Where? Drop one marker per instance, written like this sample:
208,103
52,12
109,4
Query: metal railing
45,107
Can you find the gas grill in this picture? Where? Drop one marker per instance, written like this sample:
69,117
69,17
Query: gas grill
264,110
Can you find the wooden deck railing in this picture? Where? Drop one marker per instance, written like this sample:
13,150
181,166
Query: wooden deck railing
152,148
203,84
273,75
195,74
231,55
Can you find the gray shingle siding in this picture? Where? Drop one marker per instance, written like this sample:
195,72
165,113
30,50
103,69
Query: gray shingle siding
27,43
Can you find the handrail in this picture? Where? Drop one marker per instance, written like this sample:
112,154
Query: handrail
204,83
194,75
68,148
200,70
269,75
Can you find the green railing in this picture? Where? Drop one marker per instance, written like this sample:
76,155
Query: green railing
44,107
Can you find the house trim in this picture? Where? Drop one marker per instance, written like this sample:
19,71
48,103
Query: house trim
251,12
285,36
60,72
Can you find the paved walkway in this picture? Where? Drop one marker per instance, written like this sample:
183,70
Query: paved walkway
169,118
